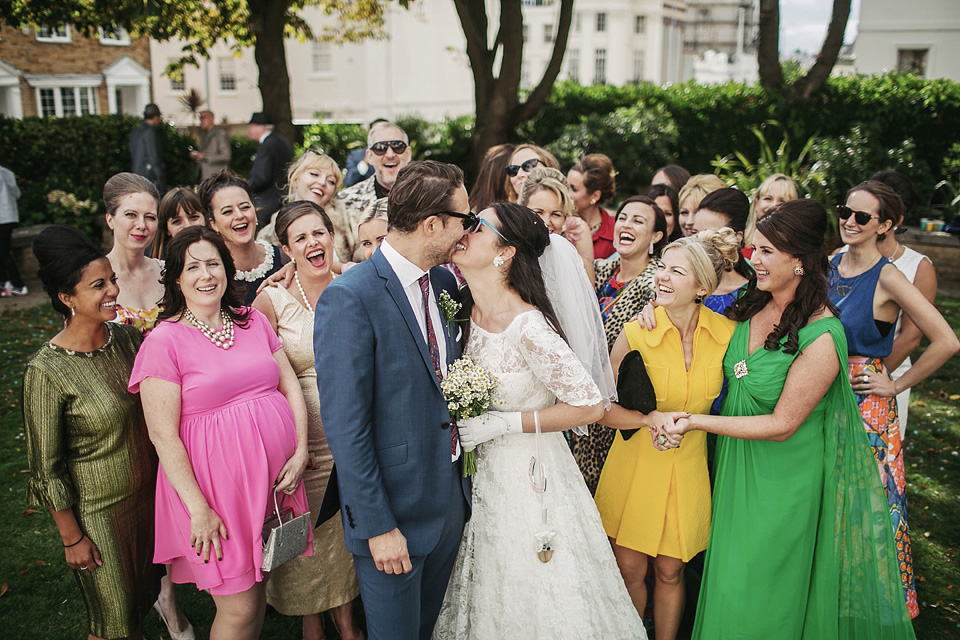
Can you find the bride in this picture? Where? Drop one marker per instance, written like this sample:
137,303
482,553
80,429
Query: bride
534,561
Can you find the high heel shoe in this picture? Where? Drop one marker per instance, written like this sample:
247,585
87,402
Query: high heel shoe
186,634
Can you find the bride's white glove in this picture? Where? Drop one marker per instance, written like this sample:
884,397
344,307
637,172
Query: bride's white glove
487,426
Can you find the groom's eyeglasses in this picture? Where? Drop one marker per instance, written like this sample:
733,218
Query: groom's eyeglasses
472,222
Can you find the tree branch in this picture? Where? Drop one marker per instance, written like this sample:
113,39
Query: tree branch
540,94
813,79
768,45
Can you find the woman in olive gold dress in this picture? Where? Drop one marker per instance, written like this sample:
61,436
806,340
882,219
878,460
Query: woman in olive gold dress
91,461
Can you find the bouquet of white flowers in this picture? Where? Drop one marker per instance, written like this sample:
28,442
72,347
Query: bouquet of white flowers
469,389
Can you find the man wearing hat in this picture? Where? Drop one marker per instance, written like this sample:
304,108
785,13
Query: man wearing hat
145,148
268,176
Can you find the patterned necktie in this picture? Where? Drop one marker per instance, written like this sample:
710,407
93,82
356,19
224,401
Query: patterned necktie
424,282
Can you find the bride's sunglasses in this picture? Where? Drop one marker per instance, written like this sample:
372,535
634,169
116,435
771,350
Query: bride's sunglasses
862,217
528,166
472,222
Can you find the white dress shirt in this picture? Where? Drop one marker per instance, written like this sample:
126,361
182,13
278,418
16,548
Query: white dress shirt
409,276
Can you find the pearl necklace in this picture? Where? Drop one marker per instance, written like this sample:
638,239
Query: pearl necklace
306,301
221,338
260,271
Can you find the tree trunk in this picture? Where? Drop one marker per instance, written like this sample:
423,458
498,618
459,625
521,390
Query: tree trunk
817,75
268,18
768,45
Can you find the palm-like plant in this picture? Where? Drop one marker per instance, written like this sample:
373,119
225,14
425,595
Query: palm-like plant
737,170
191,101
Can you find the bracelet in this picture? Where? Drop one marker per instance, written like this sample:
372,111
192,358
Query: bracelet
82,536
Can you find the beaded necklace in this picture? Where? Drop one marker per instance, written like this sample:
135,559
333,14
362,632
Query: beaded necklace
221,338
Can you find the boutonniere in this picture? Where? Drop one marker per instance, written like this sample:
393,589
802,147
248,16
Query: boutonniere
449,308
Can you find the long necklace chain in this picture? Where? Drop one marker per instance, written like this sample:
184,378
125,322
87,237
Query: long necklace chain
222,338
306,302
843,290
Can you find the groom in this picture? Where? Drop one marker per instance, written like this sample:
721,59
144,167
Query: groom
381,346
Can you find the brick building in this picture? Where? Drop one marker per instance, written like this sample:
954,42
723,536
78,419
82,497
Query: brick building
57,71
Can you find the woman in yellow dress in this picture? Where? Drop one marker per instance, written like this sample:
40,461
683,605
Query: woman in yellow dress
653,503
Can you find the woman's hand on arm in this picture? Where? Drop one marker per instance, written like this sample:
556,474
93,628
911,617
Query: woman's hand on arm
282,277
578,233
161,407
809,379
289,477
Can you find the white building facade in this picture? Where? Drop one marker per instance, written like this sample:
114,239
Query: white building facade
421,68
921,36
614,42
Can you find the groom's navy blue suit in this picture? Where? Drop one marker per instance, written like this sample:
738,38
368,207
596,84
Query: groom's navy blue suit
388,427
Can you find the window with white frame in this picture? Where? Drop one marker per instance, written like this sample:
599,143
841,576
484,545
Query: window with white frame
600,66
573,65
601,21
114,35
63,102
321,58
59,33
226,71
178,81
548,32
637,66
640,24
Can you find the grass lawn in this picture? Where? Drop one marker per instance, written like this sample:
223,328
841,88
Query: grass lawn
39,598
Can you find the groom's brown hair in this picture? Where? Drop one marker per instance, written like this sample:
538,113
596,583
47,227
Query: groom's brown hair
422,189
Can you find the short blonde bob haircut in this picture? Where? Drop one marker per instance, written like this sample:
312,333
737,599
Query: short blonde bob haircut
698,187
778,182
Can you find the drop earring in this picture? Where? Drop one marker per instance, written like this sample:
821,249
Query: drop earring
73,312
698,299
498,261
650,249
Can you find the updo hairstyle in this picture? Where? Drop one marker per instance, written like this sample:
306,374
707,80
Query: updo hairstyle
63,252
123,184
294,210
220,180
711,254
598,175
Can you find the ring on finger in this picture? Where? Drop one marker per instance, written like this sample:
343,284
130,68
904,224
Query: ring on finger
864,379
661,440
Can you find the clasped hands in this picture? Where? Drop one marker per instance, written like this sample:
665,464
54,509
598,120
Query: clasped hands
667,428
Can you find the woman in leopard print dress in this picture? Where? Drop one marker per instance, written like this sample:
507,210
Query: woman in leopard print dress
624,283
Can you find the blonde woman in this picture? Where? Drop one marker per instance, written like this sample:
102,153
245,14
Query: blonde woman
776,189
695,190
373,227
546,192
655,505
315,177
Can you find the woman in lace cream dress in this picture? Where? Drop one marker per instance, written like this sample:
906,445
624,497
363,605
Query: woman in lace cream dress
501,587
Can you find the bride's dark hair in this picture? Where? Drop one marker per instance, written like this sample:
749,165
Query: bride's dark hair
525,232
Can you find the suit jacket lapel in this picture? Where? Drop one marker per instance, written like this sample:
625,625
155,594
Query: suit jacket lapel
450,329
400,298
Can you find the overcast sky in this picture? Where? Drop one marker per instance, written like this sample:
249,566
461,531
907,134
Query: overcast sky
803,24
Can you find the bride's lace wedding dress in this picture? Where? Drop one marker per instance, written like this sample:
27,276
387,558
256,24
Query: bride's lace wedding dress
499,588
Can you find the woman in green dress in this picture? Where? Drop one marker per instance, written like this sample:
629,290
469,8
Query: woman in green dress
801,544
91,461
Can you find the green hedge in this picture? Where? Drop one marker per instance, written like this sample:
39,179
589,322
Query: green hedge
77,155
860,123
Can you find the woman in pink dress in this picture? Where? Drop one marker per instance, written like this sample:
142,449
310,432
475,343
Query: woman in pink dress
228,419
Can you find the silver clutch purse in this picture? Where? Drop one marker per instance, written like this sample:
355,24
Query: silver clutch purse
284,535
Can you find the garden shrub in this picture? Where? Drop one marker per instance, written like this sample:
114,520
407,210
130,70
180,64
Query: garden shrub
638,139
77,155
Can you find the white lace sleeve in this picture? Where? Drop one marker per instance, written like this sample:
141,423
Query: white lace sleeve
554,363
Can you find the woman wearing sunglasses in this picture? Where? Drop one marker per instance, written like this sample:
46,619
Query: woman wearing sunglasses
525,158
869,293
593,182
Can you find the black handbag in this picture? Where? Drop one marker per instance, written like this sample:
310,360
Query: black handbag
634,389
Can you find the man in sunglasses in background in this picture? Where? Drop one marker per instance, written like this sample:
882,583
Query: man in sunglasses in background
388,151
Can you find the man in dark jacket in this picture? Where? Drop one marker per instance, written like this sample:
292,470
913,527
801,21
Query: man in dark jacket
145,156
268,176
